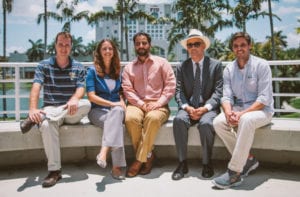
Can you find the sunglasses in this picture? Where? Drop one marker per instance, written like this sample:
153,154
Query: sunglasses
195,44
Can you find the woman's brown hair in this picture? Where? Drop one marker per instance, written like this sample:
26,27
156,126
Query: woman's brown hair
115,65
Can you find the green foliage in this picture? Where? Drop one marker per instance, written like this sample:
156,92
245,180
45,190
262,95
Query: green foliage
295,102
125,10
36,52
207,16
67,14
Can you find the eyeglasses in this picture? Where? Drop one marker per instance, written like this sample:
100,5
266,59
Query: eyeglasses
195,44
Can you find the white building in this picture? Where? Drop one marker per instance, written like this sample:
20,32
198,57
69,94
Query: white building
158,32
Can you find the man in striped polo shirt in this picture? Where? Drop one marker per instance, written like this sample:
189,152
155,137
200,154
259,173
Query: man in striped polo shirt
62,79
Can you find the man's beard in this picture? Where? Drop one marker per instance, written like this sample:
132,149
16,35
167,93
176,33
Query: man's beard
142,52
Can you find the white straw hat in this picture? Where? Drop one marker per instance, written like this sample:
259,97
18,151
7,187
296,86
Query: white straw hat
195,33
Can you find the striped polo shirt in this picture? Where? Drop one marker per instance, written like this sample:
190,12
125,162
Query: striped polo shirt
59,84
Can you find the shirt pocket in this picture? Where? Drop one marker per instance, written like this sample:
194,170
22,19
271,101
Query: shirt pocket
155,80
251,83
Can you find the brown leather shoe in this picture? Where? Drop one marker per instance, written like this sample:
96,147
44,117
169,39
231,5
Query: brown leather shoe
52,178
147,167
117,174
134,169
26,125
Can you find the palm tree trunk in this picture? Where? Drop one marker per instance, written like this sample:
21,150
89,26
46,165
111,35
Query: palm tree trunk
126,39
4,57
4,28
45,28
272,31
277,99
122,27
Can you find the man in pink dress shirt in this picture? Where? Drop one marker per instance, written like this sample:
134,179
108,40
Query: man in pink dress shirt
148,84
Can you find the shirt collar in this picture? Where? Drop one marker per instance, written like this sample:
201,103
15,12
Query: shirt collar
200,62
136,60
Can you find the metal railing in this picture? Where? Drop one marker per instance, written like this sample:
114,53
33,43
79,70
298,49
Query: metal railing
17,78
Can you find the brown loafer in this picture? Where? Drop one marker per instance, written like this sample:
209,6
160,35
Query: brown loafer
26,125
52,178
147,167
117,174
134,169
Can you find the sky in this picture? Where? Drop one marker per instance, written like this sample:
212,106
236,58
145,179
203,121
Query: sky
22,23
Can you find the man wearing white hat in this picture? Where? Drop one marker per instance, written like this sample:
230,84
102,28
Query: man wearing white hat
198,94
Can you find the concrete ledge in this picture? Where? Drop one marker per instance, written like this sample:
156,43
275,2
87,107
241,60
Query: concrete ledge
282,135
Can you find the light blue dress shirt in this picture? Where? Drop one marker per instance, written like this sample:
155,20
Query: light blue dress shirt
242,87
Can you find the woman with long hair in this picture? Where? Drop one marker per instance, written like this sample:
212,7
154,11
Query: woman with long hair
103,84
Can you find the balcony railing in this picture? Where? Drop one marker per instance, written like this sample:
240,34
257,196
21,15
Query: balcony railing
16,80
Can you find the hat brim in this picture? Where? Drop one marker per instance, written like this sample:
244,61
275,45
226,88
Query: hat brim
203,38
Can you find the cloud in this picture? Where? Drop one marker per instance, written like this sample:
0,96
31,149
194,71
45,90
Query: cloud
265,6
287,10
290,1
33,8
156,1
293,40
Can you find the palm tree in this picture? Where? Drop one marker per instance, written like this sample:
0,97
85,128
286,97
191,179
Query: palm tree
275,45
77,47
132,12
51,48
116,42
206,16
67,15
279,44
298,28
90,48
257,49
218,50
245,10
125,9
270,14
7,8
36,52
45,28
277,99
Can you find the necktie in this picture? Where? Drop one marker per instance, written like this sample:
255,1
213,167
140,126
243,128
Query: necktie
197,88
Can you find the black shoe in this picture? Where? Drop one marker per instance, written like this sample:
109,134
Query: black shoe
181,169
26,125
52,178
207,171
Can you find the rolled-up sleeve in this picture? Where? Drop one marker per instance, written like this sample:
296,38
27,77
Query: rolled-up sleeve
227,89
265,89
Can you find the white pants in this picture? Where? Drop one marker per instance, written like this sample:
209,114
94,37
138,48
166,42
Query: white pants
239,140
49,128
111,121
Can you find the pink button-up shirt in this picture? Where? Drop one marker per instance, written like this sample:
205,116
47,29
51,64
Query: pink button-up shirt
153,80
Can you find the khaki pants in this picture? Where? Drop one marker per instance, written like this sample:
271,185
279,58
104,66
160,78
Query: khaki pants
142,128
50,130
238,141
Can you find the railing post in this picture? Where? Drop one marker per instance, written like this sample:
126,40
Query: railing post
4,92
17,93
277,90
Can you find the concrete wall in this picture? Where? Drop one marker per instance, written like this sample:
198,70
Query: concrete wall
278,142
